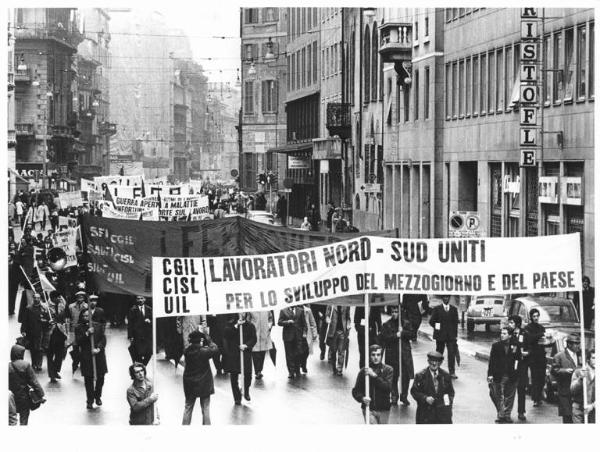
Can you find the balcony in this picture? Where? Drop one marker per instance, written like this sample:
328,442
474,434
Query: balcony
24,129
68,35
62,132
339,119
327,148
23,76
11,81
396,42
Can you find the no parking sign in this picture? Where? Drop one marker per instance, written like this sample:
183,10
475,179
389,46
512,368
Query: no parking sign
464,224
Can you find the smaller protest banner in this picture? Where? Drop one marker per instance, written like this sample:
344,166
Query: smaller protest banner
70,199
67,240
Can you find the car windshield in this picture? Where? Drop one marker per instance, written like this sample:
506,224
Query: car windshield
557,313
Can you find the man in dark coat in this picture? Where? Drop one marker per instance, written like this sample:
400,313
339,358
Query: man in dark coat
197,376
380,385
519,338
232,354
319,311
588,302
434,393
96,312
36,328
281,209
140,396
390,338
410,303
537,355
91,357
55,353
444,320
293,322
216,327
563,365
20,378
314,217
139,331
503,375
374,329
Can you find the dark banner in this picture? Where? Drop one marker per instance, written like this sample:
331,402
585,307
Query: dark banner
120,251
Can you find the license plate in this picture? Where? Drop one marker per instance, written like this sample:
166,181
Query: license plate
487,313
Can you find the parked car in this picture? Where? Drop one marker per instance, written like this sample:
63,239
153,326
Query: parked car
488,310
559,316
260,216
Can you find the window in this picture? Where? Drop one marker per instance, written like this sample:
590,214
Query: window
374,66
475,85
406,90
309,63
557,87
425,94
483,84
591,61
303,67
469,87
271,14
293,73
416,94
315,62
448,90
366,68
315,16
269,96
491,76
499,80
293,21
546,75
309,18
426,26
569,68
461,89
251,15
327,62
289,71
251,51
448,12
454,88
416,33
335,59
248,98
508,76
581,43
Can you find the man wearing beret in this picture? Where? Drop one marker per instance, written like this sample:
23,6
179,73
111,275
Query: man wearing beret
434,393
563,366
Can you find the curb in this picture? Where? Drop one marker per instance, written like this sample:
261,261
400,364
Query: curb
464,346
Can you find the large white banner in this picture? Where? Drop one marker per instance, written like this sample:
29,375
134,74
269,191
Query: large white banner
216,285
70,199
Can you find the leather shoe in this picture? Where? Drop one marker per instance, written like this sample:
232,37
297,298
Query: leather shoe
247,396
394,401
89,406
522,417
238,402
259,376
508,420
291,376
404,401
99,401
453,376
304,370
322,356
57,376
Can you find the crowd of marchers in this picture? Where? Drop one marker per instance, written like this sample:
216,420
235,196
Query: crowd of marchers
70,321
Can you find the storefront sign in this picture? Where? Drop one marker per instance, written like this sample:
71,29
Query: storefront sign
297,162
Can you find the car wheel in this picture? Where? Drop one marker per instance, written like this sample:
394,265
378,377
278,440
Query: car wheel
470,326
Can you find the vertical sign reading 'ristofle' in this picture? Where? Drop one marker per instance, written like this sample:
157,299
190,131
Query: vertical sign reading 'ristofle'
530,130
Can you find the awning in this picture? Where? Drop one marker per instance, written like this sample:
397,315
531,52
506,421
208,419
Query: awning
306,146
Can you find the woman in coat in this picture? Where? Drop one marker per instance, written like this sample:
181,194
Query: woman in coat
197,376
88,355
309,336
231,342
21,377
263,321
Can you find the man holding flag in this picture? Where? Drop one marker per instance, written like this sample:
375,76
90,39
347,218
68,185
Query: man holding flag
58,334
35,326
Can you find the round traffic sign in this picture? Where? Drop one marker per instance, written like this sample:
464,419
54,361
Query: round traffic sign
472,222
456,221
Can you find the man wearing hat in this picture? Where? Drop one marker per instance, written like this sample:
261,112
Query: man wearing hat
444,320
73,313
96,313
563,366
433,391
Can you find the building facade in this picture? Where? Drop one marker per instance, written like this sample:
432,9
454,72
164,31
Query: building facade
263,84
46,42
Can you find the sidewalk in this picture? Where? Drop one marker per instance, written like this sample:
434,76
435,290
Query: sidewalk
481,352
